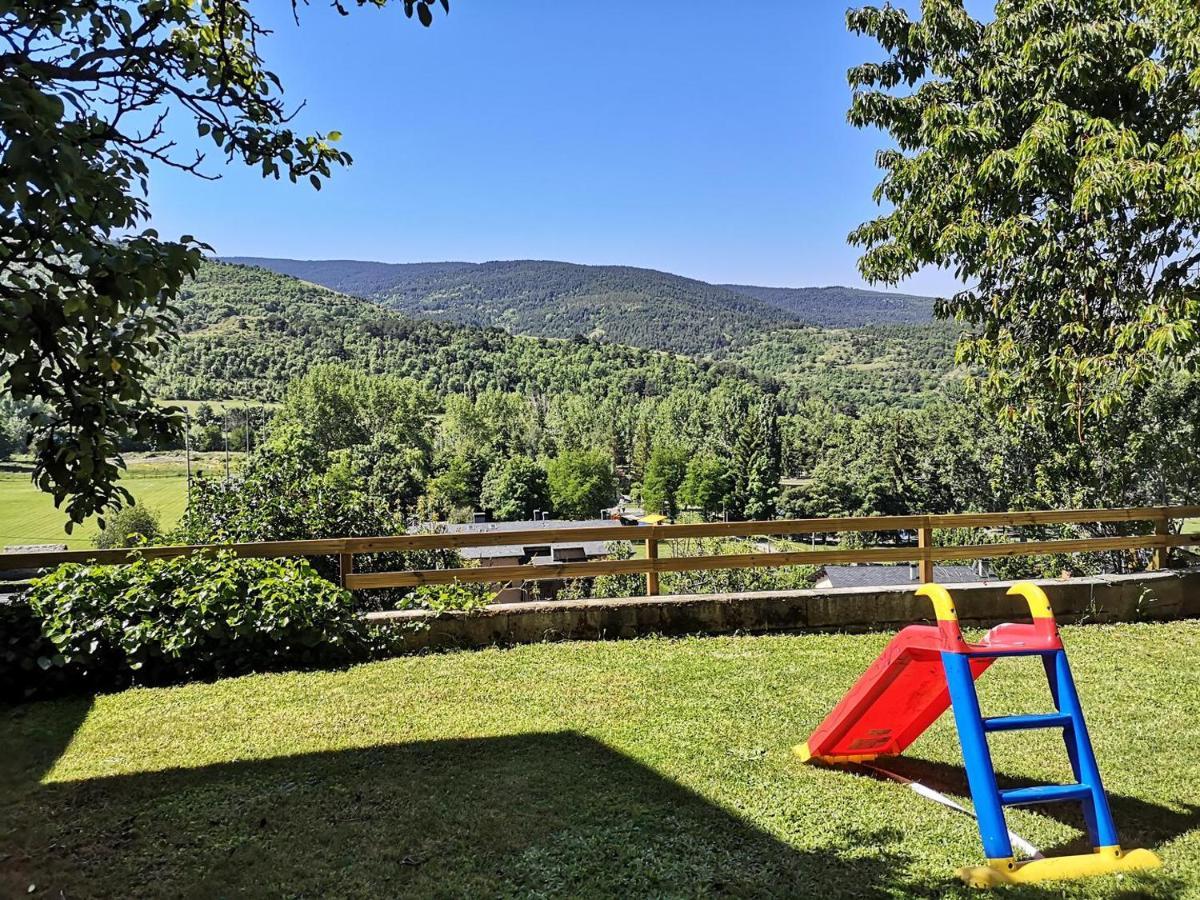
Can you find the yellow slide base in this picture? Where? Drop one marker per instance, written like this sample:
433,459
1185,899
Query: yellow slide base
1104,861
802,752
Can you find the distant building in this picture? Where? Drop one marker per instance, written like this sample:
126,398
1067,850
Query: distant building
894,576
539,553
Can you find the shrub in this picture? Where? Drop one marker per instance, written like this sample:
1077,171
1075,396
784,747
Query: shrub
158,621
702,581
21,646
278,496
1012,568
457,596
129,527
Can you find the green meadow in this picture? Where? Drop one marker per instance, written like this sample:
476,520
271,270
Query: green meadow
28,516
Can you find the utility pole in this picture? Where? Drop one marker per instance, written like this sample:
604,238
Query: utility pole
225,435
187,450
246,425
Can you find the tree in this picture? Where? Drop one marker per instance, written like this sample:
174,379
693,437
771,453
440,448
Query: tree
337,406
887,465
1048,157
280,496
495,423
665,472
128,527
582,483
704,485
754,463
365,433
514,489
12,427
87,301
454,492
394,473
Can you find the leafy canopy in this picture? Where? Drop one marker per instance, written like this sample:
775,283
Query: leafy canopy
86,299
582,483
1051,158
515,489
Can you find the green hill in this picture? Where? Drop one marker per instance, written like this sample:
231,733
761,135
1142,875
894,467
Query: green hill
842,307
621,304
247,332
854,368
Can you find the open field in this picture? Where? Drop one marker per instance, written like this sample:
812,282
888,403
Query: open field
218,405
639,768
28,516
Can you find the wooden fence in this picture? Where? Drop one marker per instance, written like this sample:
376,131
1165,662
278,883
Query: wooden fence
1157,521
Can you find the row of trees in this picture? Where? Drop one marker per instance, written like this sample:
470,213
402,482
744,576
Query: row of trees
431,458
956,456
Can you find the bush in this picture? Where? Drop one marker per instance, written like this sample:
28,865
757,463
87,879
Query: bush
445,597
280,497
159,621
702,581
129,527
1013,568
21,646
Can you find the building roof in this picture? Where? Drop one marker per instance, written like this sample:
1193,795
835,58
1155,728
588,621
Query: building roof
589,548
889,576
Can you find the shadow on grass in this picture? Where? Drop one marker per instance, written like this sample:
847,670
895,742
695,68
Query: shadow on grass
540,814
535,814
1139,823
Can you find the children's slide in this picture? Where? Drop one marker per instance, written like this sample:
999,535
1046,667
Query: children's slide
928,669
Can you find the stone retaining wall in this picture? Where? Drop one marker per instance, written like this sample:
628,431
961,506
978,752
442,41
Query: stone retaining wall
1108,598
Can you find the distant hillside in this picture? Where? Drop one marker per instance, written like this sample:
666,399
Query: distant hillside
621,304
351,276
842,307
638,307
247,332
854,368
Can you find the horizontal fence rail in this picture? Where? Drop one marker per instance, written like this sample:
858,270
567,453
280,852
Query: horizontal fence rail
923,552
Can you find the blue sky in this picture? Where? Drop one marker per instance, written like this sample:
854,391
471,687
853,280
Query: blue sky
703,138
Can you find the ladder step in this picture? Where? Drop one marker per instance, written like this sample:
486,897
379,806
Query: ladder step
1034,720
1047,793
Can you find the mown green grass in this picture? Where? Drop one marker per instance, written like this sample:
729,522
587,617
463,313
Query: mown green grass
642,768
216,405
28,516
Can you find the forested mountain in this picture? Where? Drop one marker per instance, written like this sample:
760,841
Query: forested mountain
842,307
622,304
247,332
352,276
856,368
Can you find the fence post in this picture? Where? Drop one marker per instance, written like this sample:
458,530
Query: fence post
345,567
651,575
925,544
1162,553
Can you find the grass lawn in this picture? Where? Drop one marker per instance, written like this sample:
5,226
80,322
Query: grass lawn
649,767
217,405
28,516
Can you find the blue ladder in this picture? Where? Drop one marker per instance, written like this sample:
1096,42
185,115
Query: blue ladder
973,729
990,800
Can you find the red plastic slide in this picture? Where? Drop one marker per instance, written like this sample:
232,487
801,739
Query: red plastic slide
895,700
